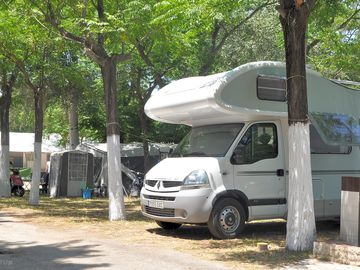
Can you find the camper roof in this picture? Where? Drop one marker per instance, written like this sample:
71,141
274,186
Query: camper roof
257,91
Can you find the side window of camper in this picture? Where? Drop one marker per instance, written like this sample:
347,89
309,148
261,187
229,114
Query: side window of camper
318,146
259,142
271,88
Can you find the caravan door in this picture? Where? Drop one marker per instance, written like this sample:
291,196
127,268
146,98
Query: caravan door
259,169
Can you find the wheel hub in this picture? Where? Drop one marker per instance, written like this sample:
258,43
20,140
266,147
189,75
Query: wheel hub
229,219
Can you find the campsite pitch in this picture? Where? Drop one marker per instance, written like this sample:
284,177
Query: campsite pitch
81,237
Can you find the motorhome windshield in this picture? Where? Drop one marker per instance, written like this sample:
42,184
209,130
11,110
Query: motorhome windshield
208,141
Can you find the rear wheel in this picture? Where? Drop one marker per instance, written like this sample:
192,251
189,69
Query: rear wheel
227,219
168,225
19,191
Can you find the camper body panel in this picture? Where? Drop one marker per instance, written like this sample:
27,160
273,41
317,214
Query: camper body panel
327,171
265,189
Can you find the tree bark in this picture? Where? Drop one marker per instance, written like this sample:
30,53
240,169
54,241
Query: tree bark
144,131
73,119
5,102
142,98
115,188
301,230
36,170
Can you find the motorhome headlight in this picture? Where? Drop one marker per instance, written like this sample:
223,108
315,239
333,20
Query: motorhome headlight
196,179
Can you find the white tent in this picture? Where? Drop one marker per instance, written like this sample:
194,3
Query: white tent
24,142
22,148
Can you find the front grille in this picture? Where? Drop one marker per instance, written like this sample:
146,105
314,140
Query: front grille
170,184
159,198
151,183
166,212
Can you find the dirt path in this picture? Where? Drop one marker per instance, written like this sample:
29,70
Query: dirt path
31,247
25,246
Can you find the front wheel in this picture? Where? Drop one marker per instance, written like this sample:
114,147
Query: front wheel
227,219
168,225
19,191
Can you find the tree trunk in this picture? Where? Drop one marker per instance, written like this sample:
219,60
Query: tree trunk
36,170
301,230
5,101
115,188
73,119
144,133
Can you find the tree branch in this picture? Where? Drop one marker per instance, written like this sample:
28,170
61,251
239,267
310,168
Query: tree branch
3,81
19,64
348,20
98,51
215,48
215,34
147,60
311,4
51,18
13,78
118,58
101,15
96,58
240,24
312,45
340,27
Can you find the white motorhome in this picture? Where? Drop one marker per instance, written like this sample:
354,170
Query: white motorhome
233,165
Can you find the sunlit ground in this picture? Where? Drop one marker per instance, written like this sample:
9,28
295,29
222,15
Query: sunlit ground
92,216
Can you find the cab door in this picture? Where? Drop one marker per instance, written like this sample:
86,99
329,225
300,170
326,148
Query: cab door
259,169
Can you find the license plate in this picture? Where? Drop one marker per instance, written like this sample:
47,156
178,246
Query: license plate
156,204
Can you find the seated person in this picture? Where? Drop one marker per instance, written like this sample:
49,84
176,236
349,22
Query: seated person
263,149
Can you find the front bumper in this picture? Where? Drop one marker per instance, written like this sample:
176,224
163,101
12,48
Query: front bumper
184,206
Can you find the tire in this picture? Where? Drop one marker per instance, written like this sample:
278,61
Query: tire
168,225
19,191
227,219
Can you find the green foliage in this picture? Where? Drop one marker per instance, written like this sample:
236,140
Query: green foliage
261,39
22,111
334,29
168,40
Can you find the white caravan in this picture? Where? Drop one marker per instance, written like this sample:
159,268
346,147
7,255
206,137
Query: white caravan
233,165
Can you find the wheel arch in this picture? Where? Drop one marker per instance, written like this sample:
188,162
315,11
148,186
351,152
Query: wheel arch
234,194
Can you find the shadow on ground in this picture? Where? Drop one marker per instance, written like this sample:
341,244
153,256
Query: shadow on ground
78,209
263,230
244,248
191,237
31,256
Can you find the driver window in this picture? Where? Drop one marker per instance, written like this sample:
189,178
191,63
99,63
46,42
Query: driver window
259,142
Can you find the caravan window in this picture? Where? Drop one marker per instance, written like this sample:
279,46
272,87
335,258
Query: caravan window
318,146
271,88
337,128
259,142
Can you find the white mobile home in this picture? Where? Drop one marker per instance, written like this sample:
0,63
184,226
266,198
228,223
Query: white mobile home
232,167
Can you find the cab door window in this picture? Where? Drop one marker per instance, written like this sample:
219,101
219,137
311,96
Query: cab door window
259,142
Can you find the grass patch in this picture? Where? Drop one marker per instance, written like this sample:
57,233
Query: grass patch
91,216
